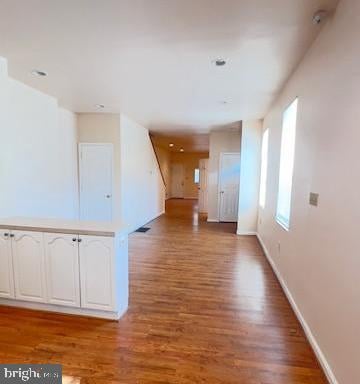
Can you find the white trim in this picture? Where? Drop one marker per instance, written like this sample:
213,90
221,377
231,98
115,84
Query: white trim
213,221
309,335
131,230
110,315
246,233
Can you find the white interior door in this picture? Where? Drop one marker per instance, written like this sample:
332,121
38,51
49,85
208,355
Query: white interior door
177,180
229,181
96,179
203,185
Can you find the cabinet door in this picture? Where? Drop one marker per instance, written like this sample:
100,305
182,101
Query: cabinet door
96,272
29,266
6,266
62,269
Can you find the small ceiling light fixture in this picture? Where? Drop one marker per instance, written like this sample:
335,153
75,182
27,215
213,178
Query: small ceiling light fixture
220,62
181,149
99,106
224,102
319,16
38,73
171,145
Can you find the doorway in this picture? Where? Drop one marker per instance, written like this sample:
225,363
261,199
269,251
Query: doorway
203,186
229,181
177,181
96,180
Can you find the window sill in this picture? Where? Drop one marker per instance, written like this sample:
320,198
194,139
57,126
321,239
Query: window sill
282,224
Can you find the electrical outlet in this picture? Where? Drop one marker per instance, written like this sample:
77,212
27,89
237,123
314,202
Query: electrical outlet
314,199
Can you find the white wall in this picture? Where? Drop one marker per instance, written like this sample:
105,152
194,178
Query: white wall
163,156
319,257
142,188
38,161
250,164
220,141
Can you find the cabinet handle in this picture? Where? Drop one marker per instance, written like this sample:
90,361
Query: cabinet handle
79,240
6,234
12,235
74,239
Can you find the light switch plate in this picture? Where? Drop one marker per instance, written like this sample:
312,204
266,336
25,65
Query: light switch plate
314,199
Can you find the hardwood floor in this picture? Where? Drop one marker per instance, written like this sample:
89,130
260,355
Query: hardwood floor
205,307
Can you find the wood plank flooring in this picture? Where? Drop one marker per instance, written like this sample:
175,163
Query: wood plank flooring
205,307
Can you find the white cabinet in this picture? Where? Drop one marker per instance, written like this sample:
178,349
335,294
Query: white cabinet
29,266
62,269
6,266
64,266
96,272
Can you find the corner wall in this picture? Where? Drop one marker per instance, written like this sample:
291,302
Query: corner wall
250,166
38,153
163,156
318,259
142,187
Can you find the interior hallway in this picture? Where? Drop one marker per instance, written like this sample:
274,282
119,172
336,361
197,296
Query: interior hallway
205,307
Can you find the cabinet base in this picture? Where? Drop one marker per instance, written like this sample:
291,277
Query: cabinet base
61,309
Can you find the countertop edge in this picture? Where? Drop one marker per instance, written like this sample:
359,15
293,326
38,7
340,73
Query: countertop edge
72,231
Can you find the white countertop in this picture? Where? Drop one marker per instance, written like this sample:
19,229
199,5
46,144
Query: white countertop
96,228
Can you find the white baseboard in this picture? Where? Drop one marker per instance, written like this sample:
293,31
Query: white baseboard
212,220
134,228
246,233
315,346
64,310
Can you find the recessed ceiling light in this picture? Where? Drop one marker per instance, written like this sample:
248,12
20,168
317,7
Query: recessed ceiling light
99,106
171,145
38,73
219,62
181,149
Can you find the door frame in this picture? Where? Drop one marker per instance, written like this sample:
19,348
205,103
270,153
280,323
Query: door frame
111,147
204,161
222,154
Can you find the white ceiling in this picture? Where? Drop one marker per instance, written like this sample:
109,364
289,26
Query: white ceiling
152,59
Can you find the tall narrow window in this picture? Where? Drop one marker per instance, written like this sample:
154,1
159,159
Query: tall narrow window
287,155
264,165
196,175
